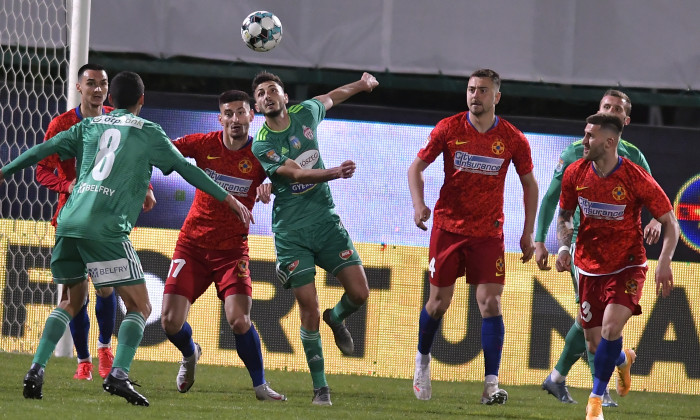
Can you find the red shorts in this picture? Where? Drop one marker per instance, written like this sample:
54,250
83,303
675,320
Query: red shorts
452,255
193,269
623,288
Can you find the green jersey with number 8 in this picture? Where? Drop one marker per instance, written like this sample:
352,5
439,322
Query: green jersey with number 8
115,155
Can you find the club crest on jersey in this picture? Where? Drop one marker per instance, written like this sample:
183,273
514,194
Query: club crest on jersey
308,132
292,266
619,193
498,147
345,254
631,287
294,141
272,155
245,166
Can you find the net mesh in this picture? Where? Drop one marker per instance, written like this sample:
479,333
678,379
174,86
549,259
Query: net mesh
33,43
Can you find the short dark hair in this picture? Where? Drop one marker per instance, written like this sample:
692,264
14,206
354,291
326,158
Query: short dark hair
233,96
622,95
126,89
263,77
488,74
607,121
90,66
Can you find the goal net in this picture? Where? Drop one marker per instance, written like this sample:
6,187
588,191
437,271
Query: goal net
34,39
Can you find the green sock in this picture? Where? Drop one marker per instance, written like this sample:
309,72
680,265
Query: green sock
314,356
343,309
574,347
54,328
591,363
129,338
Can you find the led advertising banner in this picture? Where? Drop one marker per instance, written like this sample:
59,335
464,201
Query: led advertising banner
375,206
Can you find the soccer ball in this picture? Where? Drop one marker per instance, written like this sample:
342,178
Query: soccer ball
261,31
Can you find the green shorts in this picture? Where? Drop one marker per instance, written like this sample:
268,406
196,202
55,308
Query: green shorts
108,264
326,244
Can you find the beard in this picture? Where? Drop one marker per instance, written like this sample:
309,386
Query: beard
273,113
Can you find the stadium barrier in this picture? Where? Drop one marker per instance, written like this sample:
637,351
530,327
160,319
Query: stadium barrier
538,310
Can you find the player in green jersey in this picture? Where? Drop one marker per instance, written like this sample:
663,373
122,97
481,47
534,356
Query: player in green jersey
115,154
617,103
307,230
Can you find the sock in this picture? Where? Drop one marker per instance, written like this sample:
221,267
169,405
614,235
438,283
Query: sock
605,356
574,347
492,332
591,363
621,359
248,348
79,330
343,309
427,327
129,338
314,356
106,314
183,340
54,328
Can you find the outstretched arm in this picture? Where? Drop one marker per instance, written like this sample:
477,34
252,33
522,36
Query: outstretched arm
366,83
290,169
416,185
530,193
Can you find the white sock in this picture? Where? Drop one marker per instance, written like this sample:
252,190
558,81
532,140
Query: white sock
557,377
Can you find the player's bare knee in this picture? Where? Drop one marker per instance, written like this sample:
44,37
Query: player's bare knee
170,324
240,325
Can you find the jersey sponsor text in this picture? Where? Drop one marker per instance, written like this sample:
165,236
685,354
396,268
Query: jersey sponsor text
477,164
603,211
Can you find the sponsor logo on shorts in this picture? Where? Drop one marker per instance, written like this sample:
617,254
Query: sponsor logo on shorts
233,185
602,211
345,254
292,266
242,268
477,164
308,132
631,287
107,271
500,267
619,193
498,147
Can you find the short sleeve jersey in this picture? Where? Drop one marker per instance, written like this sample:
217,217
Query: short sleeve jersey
610,235
471,198
209,223
65,170
115,154
296,205
571,154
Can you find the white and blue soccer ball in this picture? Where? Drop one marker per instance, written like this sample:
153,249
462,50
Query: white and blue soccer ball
261,31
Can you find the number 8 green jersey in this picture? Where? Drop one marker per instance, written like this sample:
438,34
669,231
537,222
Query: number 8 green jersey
114,155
